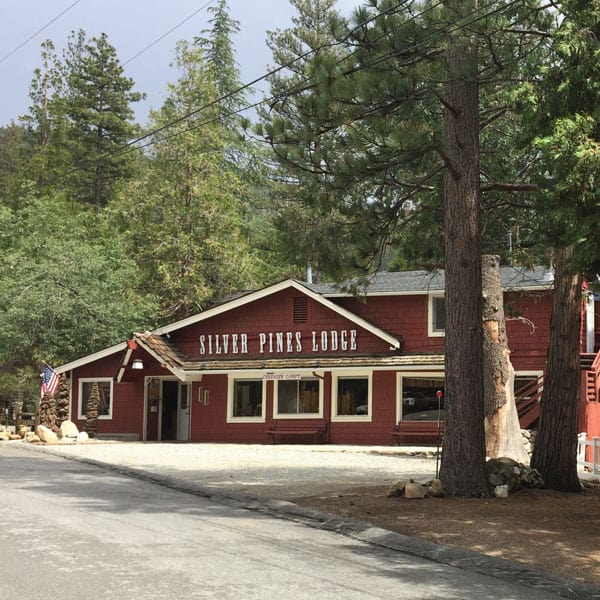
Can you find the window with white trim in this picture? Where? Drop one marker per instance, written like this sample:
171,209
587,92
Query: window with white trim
419,399
436,318
105,391
351,396
246,399
299,397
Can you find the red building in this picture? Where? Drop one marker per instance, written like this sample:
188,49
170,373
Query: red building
305,362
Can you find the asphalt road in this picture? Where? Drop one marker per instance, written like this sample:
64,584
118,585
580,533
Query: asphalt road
70,530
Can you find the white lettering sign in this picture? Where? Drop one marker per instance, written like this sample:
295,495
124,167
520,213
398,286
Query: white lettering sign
279,342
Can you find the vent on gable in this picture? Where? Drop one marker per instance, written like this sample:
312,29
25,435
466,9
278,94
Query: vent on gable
301,309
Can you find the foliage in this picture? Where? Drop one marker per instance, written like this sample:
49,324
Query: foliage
184,223
81,116
66,285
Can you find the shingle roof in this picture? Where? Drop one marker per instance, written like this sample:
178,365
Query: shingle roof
404,282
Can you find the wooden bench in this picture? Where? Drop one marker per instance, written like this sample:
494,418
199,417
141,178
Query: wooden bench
418,432
295,430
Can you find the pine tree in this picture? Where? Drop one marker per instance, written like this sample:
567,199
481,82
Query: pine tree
185,221
96,104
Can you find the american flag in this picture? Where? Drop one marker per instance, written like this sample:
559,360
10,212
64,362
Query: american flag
49,381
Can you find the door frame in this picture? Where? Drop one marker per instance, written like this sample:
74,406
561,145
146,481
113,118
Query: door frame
180,386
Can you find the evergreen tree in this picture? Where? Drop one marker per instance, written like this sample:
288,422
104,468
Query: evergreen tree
186,218
561,118
97,105
382,125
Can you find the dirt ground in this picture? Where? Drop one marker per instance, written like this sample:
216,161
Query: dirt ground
551,531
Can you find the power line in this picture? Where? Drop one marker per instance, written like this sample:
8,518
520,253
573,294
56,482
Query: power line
39,31
297,88
162,37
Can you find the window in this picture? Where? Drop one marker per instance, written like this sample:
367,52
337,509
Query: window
105,389
351,396
436,316
246,400
419,400
298,397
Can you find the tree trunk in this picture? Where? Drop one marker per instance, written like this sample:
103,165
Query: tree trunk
555,451
502,429
463,457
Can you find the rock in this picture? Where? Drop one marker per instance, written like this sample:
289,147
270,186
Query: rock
31,437
23,430
503,471
501,491
14,436
82,436
4,436
415,490
68,429
436,489
46,434
396,489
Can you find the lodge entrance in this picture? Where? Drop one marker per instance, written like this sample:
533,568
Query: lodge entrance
168,410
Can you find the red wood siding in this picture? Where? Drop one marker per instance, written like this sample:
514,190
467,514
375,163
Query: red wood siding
275,314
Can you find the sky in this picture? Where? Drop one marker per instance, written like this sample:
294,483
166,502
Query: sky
131,26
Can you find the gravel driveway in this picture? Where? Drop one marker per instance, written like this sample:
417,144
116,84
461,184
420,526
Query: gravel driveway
277,471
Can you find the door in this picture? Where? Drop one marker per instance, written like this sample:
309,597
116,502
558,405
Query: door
183,413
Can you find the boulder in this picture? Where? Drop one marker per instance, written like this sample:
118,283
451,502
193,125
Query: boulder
68,429
46,434
23,430
31,437
415,490
396,489
436,489
4,436
508,472
82,436
501,491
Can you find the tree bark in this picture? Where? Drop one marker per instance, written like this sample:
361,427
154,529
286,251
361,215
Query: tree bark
502,430
463,456
555,451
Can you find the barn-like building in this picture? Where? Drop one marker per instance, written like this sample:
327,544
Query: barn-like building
303,362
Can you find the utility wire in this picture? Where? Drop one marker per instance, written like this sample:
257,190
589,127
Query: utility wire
39,31
463,24
162,37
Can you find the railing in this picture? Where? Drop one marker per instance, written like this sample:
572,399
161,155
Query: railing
527,400
593,380
582,453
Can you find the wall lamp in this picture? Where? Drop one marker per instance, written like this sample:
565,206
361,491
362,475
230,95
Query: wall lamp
137,364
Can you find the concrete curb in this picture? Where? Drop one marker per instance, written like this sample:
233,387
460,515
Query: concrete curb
360,530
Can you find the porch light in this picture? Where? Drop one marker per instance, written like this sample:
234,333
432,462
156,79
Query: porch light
137,364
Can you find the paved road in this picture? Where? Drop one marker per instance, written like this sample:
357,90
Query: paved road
71,530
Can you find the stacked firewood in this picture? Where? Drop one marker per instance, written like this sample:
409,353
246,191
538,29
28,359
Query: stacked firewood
93,408
47,413
62,400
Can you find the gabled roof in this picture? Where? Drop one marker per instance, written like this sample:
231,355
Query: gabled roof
166,354
392,283
84,360
303,288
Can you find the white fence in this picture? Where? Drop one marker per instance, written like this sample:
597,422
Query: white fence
582,445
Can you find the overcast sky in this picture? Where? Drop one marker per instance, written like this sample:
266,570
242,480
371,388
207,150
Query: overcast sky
131,26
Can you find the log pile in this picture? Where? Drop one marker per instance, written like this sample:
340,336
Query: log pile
47,413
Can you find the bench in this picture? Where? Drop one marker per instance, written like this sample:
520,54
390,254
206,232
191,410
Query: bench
418,432
297,430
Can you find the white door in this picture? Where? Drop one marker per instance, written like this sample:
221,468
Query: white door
183,413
